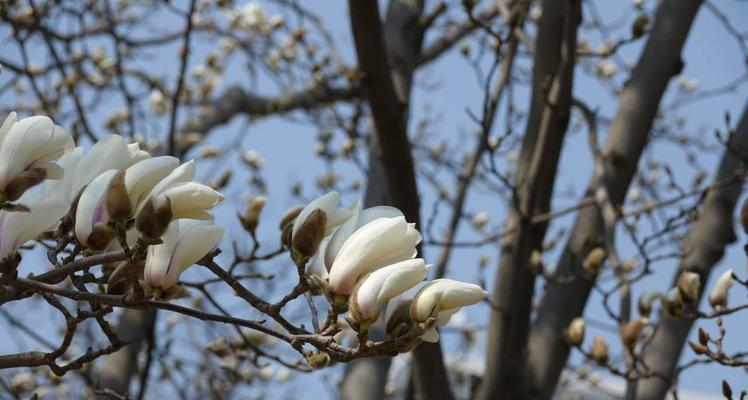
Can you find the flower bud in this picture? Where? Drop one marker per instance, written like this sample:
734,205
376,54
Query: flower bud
593,262
630,332
599,350
575,332
673,302
645,303
698,348
289,216
319,360
153,221
703,337
721,289
117,201
23,181
100,236
251,217
307,236
688,286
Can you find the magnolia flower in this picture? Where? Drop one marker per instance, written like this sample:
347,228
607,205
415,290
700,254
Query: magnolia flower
95,204
380,286
379,243
184,243
441,299
27,149
175,197
359,218
688,286
322,214
718,296
81,167
16,228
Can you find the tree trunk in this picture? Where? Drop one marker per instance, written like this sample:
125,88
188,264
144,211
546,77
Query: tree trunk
703,248
553,77
628,134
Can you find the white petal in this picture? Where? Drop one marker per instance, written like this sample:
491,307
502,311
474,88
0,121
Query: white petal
142,176
379,243
9,121
444,294
91,204
387,283
190,197
431,335
16,228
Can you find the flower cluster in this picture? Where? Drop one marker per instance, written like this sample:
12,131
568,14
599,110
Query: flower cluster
111,195
365,260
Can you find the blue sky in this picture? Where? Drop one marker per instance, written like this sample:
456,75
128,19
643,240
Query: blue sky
447,89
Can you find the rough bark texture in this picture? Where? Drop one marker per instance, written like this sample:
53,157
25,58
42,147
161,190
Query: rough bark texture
703,248
553,75
628,134
387,76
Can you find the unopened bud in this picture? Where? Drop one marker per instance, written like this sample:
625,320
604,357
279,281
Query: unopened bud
575,332
639,27
310,234
24,181
117,201
645,303
630,332
100,236
251,217
286,234
721,290
698,348
688,286
673,302
289,216
153,219
319,360
593,263
599,350
703,337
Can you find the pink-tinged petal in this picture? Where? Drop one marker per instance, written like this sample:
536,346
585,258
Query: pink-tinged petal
91,204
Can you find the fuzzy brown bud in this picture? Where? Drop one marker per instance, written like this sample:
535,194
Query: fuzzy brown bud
152,220
599,350
698,348
593,262
574,333
630,332
100,236
117,201
310,234
289,216
251,217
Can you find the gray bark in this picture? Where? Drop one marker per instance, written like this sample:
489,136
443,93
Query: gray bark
660,60
703,248
553,76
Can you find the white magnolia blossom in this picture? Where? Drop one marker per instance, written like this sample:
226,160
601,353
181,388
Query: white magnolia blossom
718,295
186,199
328,203
441,299
17,228
27,146
330,248
384,284
81,167
140,179
184,243
377,244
